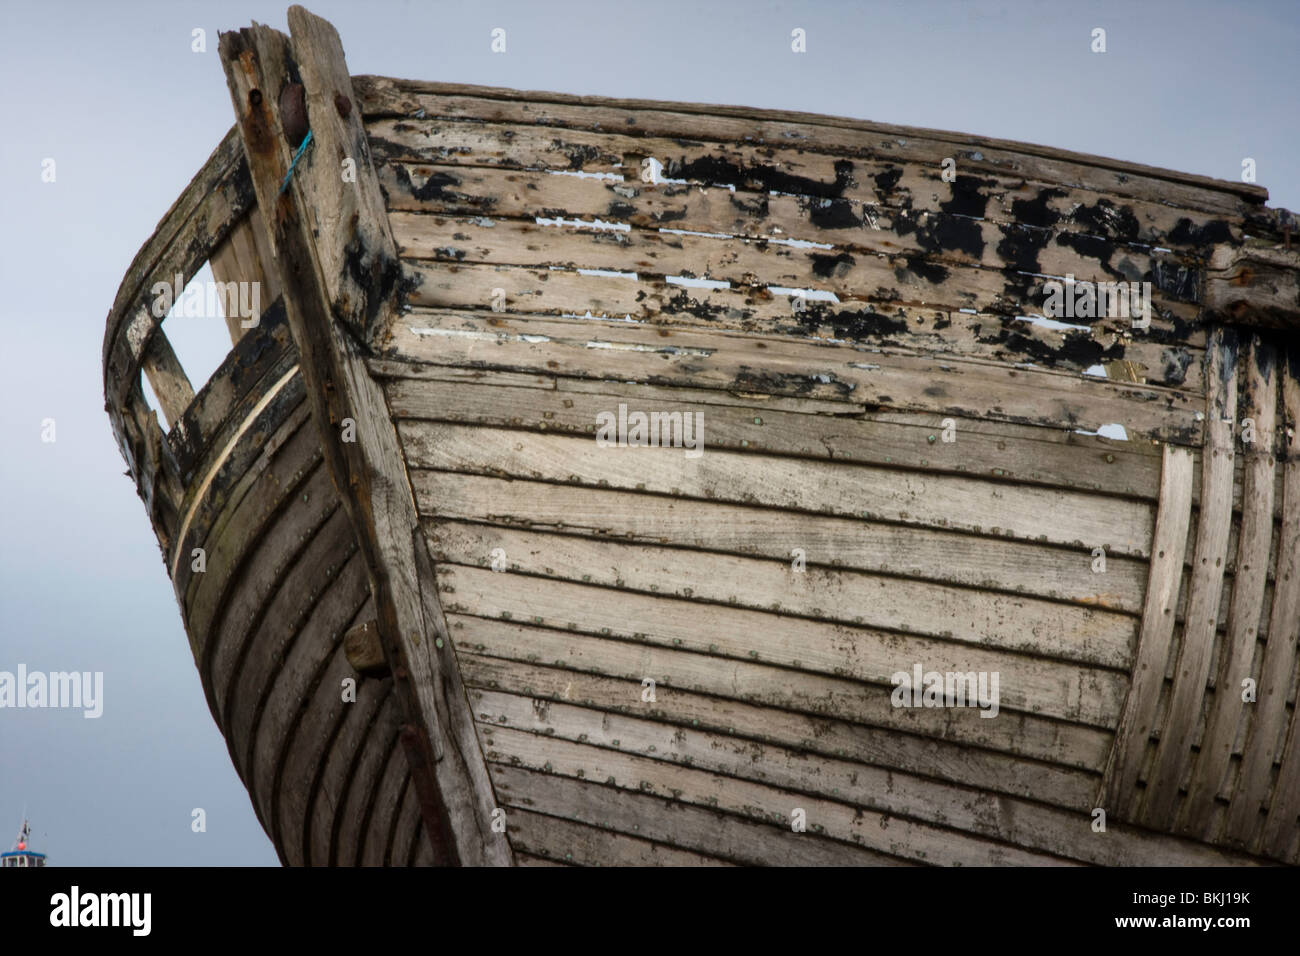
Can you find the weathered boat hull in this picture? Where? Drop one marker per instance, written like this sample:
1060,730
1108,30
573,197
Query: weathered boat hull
568,646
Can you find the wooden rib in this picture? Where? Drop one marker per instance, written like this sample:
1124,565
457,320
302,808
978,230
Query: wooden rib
1118,791
361,777
830,488
1224,722
171,386
1020,823
640,352
690,828
324,801
781,127
1018,455
1264,743
312,730
933,555
620,651
983,627
404,824
277,690
383,809
1174,754
816,735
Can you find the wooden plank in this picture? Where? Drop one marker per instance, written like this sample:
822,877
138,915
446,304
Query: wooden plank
404,827
338,283
1174,753
1254,287
1264,743
894,748
453,211
833,819
692,829
933,555
621,651
1224,725
171,386
1018,822
1067,518
560,842
985,631
1020,455
1118,791
658,355
781,127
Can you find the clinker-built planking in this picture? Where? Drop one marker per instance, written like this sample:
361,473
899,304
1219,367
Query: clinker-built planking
394,479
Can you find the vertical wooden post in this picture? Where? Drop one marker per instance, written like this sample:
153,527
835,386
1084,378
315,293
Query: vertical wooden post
339,269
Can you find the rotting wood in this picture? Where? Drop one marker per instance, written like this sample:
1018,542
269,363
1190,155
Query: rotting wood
1224,722
171,386
337,280
244,257
782,127
1254,287
1118,791
639,352
1174,753
975,505
1246,823
601,641
817,736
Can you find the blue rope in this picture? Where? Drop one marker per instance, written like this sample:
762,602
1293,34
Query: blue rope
296,156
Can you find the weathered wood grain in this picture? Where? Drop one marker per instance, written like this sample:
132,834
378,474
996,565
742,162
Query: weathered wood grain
659,355
1174,753
335,257
1118,791
1000,625
954,502
1018,822
603,641
933,555
729,837
1246,824
1224,724
560,842
817,736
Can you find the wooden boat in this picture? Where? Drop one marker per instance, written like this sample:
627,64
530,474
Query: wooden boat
451,605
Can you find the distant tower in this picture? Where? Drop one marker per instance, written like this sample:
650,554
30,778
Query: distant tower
20,855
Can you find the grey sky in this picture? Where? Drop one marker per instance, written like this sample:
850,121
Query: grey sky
114,94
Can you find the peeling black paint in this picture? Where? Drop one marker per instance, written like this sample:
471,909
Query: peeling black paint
929,271
1106,219
828,267
1035,212
968,197
1021,245
715,171
1200,234
832,214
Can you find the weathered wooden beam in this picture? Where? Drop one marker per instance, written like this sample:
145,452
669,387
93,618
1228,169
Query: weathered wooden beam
339,270
364,650
1254,287
171,386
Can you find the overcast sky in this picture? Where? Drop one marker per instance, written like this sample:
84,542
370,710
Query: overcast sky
113,93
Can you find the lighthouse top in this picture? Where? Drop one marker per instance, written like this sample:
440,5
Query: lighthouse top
20,855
